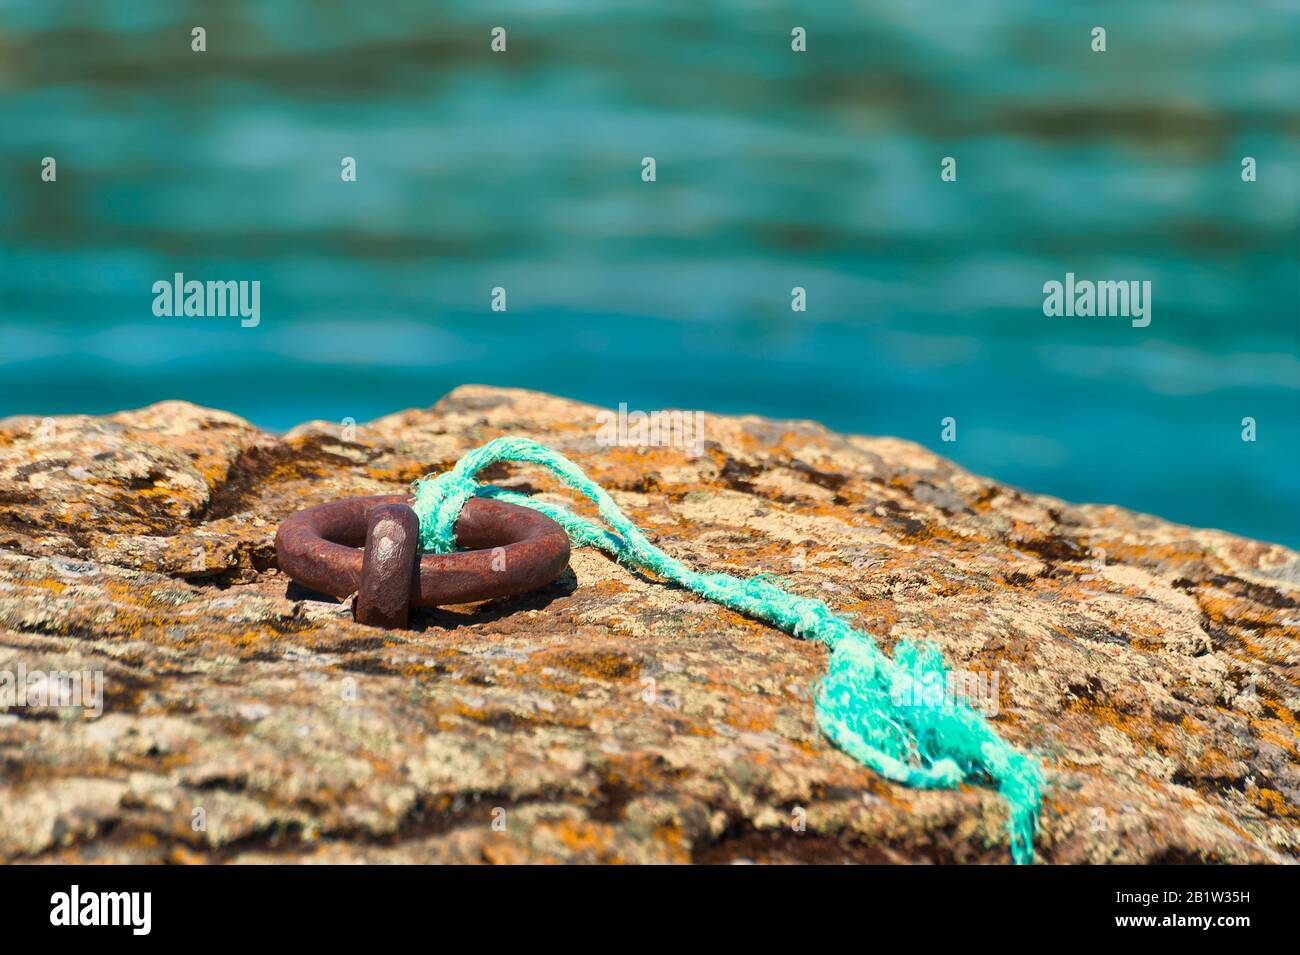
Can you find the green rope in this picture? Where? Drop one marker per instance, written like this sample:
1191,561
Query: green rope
879,710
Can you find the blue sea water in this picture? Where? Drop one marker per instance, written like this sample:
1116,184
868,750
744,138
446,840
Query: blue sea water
774,170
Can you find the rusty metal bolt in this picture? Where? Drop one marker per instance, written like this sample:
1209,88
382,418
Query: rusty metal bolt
511,550
388,566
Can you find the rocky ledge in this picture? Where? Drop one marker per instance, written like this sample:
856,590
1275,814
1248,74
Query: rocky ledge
1152,667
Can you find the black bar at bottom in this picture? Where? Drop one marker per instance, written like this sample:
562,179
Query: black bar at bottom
330,905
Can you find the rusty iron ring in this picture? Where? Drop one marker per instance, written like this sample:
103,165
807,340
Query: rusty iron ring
510,550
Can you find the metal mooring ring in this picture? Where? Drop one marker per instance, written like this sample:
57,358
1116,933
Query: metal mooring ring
510,550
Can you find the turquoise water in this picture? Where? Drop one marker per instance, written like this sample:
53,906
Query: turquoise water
775,170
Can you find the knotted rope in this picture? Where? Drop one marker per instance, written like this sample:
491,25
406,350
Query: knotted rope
882,711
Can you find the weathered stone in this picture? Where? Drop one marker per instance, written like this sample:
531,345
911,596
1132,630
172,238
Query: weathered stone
1153,667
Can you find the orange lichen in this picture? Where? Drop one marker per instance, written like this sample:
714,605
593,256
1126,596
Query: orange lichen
1273,802
597,665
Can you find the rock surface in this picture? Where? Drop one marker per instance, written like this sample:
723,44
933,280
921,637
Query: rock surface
1153,667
